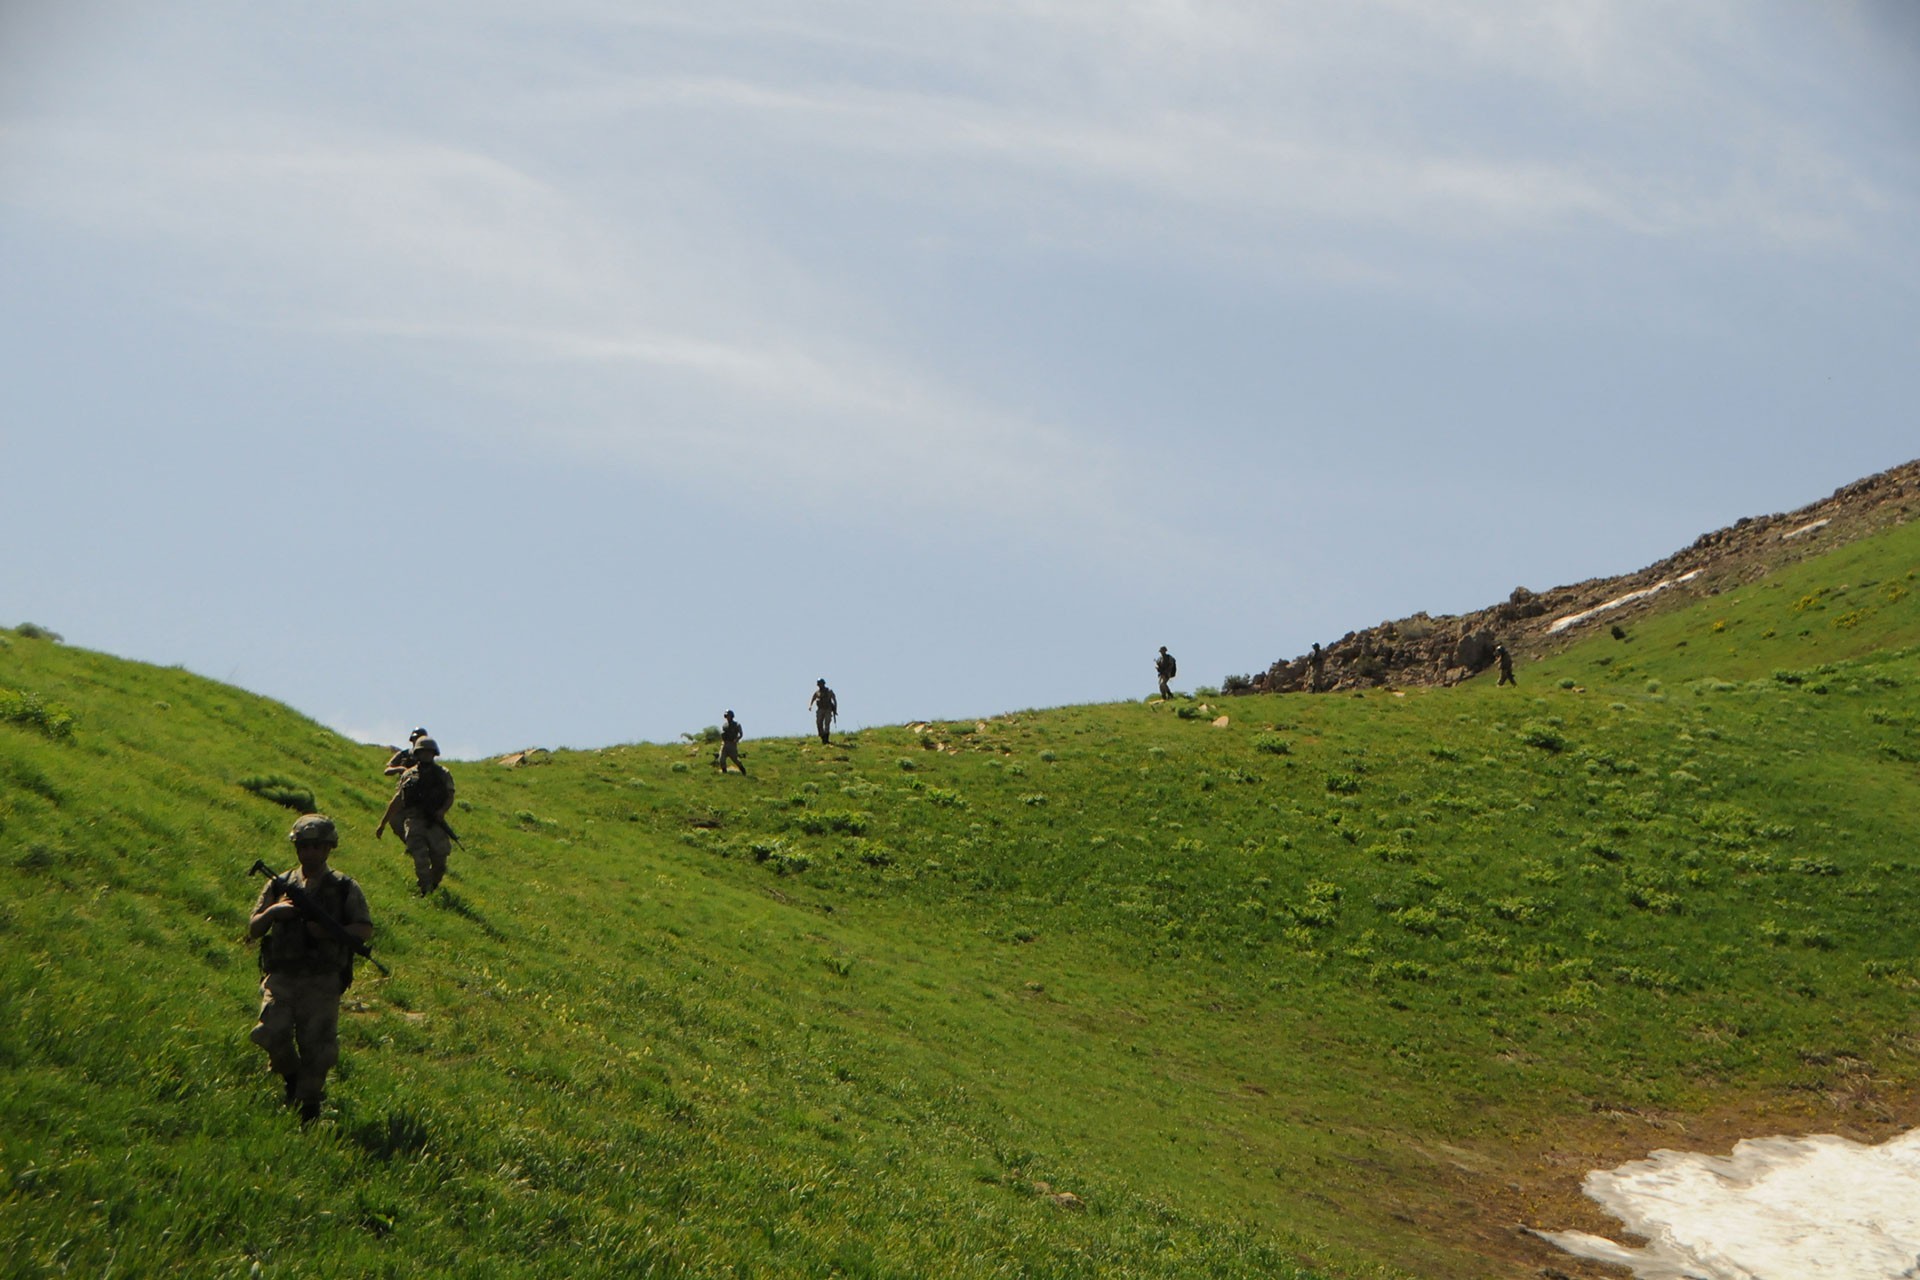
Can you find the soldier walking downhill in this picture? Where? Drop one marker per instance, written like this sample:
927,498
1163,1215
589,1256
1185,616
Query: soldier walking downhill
1505,660
303,968
418,811
826,708
730,735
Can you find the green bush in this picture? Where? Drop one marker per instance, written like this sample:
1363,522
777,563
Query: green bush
28,710
1545,736
30,631
1272,744
282,791
834,822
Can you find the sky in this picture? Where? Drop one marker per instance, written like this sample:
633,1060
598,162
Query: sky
567,374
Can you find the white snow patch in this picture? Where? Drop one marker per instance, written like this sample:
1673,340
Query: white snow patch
1815,1208
1805,528
1568,621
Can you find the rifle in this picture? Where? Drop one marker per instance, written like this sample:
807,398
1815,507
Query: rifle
304,903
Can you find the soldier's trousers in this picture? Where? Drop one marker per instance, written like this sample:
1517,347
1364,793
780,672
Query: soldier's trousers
823,721
299,1027
429,845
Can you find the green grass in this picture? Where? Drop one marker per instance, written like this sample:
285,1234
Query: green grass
1325,992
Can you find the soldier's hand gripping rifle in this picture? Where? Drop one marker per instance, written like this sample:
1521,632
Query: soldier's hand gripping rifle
309,909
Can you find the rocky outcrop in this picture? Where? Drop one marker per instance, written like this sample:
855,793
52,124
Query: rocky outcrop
1427,650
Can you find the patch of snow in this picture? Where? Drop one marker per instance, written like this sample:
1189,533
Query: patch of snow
1568,621
1805,528
1815,1208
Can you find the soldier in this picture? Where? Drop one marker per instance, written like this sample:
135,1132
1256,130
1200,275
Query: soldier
826,708
1316,666
418,811
1165,667
1506,666
304,969
730,735
401,761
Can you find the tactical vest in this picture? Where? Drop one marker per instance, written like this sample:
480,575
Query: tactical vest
288,948
426,788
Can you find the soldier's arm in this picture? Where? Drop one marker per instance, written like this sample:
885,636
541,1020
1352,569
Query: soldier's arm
447,808
267,909
359,917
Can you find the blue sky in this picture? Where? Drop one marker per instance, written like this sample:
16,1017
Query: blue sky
568,374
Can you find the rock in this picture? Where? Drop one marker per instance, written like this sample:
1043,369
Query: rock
1474,652
1065,1199
1221,723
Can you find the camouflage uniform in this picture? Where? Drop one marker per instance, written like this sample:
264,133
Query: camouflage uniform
1506,666
418,812
825,708
302,977
1165,667
1316,666
730,735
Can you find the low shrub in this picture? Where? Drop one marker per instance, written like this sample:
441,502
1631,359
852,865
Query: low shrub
282,791
1537,734
834,822
30,711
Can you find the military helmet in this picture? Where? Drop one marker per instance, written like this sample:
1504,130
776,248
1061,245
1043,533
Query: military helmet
416,735
426,747
314,828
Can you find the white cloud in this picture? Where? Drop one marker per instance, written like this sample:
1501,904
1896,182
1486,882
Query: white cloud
626,223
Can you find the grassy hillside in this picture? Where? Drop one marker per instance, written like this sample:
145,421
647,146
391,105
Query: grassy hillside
1347,987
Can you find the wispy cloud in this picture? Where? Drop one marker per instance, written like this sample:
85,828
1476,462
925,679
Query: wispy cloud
616,208
386,242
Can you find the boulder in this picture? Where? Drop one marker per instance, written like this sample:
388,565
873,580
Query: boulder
1474,651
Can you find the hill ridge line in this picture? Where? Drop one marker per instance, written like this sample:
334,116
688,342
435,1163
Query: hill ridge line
1425,649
